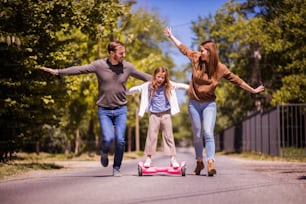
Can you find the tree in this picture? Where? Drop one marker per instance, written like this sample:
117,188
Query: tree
28,33
261,41
283,42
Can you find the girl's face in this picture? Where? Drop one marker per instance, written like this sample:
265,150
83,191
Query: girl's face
160,78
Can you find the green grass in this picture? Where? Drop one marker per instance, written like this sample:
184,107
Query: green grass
296,153
17,168
25,162
288,154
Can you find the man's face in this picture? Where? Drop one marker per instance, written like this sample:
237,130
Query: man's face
119,54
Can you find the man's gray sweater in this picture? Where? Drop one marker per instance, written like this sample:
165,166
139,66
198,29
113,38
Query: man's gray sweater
111,80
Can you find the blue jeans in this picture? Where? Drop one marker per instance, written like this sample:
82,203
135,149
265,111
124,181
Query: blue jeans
203,118
113,126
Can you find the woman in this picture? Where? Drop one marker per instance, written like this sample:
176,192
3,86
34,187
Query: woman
207,71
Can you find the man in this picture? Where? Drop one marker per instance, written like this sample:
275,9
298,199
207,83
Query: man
112,74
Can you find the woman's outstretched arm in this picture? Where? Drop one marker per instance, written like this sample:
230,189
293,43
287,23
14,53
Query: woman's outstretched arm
168,34
246,87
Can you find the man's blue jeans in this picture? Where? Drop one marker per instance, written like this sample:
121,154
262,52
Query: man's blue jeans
113,126
203,118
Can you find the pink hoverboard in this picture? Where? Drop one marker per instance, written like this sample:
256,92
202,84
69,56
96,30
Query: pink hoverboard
169,170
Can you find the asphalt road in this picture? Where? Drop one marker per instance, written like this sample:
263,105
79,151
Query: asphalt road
237,181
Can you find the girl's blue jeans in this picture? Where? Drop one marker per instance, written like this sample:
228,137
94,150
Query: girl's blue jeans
203,118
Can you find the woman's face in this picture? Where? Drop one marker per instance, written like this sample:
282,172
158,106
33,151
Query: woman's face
160,78
204,54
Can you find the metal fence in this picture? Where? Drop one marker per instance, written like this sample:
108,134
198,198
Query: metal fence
268,132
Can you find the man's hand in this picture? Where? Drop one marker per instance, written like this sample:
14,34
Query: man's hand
52,71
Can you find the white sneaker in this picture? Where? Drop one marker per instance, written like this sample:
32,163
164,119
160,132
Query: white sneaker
174,163
147,162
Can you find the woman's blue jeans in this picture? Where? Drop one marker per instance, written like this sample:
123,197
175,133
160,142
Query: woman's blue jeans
203,118
113,126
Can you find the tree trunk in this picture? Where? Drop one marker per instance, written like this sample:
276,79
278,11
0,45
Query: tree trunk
137,136
256,77
68,148
99,53
77,141
37,147
97,144
129,149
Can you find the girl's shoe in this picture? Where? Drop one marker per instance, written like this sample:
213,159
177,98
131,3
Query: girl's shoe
174,163
199,167
211,169
147,162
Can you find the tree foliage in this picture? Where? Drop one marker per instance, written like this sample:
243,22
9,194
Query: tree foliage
49,112
29,38
262,42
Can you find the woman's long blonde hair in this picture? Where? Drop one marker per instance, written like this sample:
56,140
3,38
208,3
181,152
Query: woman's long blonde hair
211,66
166,82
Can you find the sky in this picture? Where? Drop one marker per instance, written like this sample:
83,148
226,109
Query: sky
179,14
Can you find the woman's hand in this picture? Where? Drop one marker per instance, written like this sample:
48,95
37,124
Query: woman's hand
168,32
259,89
248,88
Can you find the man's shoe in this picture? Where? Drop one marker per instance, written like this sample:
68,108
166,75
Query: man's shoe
211,169
116,172
147,162
174,163
104,159
199,167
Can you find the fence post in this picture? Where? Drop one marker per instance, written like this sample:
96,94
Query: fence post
278,129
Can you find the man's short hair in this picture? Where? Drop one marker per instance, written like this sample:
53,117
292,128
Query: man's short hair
112,46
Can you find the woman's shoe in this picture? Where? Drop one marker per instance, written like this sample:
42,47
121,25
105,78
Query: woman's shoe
211,168
199,167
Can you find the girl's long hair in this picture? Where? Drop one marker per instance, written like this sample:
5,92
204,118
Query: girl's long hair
211,66
166,82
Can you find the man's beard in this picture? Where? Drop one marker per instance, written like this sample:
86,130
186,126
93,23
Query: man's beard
119,60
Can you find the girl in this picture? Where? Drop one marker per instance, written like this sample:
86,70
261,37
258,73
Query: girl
158,97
